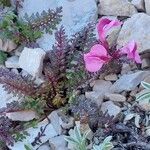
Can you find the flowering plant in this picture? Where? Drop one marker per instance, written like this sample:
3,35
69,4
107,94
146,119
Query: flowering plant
100,54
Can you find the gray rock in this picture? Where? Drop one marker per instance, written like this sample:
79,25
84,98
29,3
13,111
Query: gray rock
49,133
45,146
31,60
113,110
136,28
147,6
67,122
139,4
74,16
128,82
145,63
125,68
12,62
111,77
58,143
7,45
96,97
115,97
27,115
116,8
56,122
102,86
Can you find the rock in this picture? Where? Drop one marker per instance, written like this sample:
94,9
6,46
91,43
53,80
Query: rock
58,143
56,122
139,4
147,79
134,92
116,8
145,63
67,122
113,110
31,60
27,115
125,68
96,97
44,147
7,46
12,62
49,133
128,82
147,6
102,86
15,71
74,17
115,97
136,28
111,77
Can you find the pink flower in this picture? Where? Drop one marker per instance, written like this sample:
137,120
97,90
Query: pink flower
96,58
104,25
131,50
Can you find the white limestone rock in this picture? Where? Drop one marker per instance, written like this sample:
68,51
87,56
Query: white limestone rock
49,133
102,86
128,82
27,115
110,108
74,16
31,60
139,4
45,146
56,122
12,62
96,97
147,6
136,28
58,143
116,8
115,97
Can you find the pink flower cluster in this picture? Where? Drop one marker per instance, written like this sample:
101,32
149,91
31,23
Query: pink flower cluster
99,56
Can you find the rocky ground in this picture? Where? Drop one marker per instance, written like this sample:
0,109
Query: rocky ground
114,94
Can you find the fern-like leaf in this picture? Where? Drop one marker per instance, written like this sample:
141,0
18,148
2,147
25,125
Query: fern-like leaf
15,84
46,20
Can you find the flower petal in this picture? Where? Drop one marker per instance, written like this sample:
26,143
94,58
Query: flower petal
131,50
112,24
104,26
100,28
92,64
98,50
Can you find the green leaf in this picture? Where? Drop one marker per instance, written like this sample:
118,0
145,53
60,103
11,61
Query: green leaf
145,85
3,57
143,96
27,147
